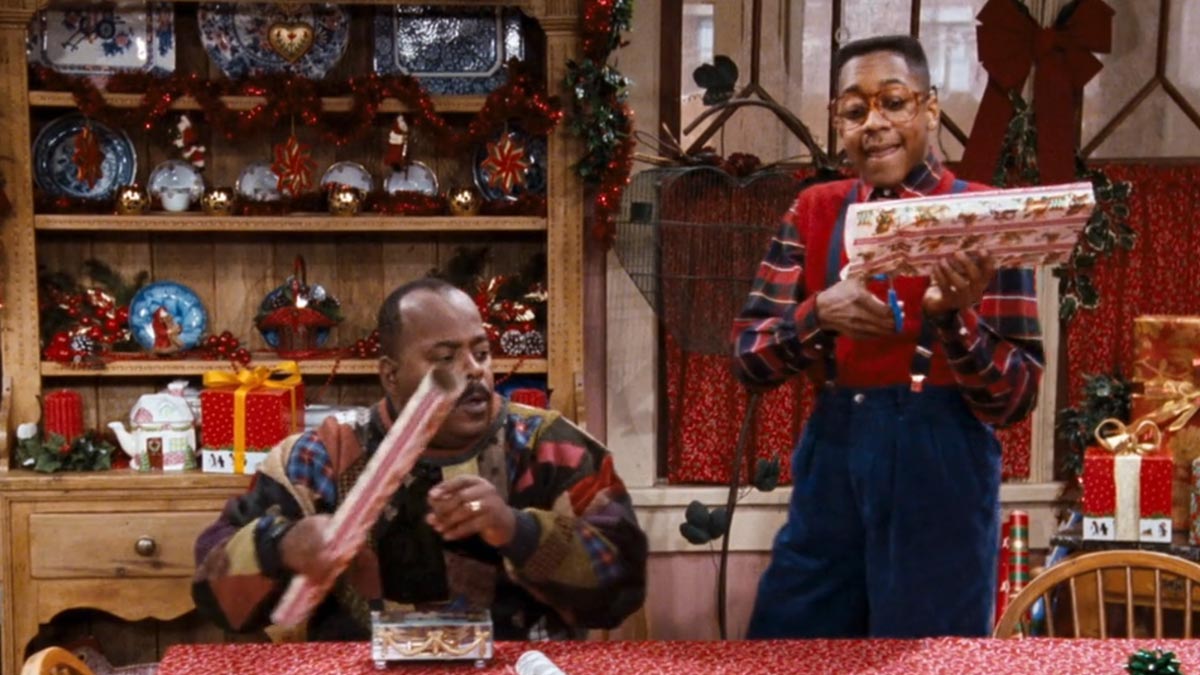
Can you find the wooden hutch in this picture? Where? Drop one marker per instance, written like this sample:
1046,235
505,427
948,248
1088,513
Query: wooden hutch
119,541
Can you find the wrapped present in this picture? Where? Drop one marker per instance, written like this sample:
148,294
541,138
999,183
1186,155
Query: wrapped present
1172,405
246,413
1019,227
1194,504
1165,349
1127,480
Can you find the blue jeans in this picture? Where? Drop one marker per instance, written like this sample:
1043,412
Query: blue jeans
892,530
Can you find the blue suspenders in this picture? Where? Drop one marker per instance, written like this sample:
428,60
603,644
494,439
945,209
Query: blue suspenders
923,355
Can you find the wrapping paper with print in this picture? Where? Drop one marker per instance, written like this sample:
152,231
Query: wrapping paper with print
1021,227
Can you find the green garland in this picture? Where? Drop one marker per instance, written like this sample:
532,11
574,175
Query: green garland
87,453
1106,232
600,113
1104,397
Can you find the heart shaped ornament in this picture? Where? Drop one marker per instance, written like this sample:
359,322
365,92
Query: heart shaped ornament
291,40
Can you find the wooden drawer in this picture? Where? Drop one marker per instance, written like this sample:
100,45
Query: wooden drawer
121,544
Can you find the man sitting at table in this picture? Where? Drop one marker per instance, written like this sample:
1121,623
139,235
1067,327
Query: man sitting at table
511,508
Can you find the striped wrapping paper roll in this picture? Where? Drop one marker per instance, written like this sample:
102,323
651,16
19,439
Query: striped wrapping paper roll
1018,568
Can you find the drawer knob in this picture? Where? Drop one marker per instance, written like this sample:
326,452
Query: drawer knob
145,546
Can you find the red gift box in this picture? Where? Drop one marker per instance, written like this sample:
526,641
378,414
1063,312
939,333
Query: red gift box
1127,489
263,406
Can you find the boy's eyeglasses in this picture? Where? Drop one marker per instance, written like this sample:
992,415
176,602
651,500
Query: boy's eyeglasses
896,103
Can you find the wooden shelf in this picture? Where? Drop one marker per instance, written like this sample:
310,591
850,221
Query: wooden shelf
297,223
181,368
334,104
121,480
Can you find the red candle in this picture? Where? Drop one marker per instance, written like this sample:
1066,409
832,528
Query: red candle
62,414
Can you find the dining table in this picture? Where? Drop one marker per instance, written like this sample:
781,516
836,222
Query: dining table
1030,656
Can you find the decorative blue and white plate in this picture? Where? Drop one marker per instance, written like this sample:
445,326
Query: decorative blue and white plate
451,50
350,174
176,175
258,183
511,164
182,306
54,167
258,39
105,40
413,177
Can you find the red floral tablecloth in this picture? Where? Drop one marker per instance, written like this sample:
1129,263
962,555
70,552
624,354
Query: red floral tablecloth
877,657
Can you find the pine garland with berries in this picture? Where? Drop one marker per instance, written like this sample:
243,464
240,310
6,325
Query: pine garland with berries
600,113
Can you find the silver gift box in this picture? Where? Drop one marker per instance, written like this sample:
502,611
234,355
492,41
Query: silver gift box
431,636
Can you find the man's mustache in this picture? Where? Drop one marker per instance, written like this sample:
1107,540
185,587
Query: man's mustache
474,389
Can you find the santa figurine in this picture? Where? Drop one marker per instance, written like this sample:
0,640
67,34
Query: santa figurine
397,151
166,332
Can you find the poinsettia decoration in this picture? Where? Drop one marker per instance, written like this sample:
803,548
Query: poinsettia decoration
88,157
513,307
507,164
294,166
79,323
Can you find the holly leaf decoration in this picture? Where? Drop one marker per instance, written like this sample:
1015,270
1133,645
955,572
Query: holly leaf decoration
88,157
294,166
766,474
1157,662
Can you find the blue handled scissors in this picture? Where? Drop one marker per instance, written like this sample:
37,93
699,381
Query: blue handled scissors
893,301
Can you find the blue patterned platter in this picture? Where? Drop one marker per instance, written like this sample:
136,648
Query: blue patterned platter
182,308
258,183
350,174
105,40
414,177
511,164
54,167
259,39
451,50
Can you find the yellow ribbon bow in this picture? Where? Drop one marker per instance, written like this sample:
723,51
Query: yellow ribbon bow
1182,404
1126,440
285,375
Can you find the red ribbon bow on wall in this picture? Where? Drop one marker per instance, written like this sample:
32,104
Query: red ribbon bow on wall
1011,43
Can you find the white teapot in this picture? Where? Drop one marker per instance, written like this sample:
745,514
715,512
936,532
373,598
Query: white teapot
162,432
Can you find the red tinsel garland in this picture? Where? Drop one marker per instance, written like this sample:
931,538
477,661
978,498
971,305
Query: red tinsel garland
520,99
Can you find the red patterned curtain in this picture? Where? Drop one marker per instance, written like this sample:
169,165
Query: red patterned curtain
1160,275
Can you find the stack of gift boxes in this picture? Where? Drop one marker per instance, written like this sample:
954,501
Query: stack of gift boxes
1141,478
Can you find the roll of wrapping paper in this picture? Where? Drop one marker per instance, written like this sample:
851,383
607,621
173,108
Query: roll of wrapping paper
1002,584
392,461
1018,566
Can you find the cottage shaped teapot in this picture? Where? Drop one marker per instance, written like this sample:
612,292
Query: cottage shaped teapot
162,432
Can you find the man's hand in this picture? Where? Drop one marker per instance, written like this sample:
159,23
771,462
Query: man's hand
850,309
958,282
467,505
303,549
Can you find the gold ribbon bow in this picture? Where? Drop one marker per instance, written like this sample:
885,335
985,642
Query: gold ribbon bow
1183,402
1126,440
285,375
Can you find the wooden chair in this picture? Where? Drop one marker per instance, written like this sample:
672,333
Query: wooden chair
1091,581
55,661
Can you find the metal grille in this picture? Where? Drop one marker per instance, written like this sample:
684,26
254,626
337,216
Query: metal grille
692,238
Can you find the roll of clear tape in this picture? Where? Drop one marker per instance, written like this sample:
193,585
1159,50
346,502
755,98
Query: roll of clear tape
534,662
